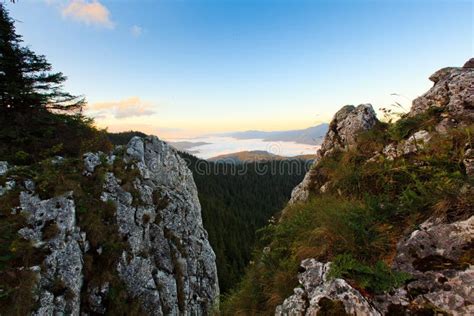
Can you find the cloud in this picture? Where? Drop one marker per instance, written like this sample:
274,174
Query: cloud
88,12
136,31
130,107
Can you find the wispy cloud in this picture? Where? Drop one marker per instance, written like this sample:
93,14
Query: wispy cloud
88,12
130,107
136,31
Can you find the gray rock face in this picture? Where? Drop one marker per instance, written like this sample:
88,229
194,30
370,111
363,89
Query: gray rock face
433,255
453,90
317,287
346,124
60,279
170,264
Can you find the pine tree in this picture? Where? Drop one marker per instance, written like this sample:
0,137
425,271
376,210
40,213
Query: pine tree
27,83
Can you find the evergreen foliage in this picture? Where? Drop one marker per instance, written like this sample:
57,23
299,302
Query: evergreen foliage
236,204
38,119
26,81
123,138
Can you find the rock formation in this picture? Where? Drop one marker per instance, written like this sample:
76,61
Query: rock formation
342,133
317,289
453,91
438,254
178,272
168,265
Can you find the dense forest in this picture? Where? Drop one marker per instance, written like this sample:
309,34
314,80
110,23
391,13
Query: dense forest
236,200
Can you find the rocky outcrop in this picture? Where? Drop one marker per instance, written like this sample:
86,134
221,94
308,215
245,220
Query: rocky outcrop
453,91
437,256
52,227
453,96
346,124
317,290
168,265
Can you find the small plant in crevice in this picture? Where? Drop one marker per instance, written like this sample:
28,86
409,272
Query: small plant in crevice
376,278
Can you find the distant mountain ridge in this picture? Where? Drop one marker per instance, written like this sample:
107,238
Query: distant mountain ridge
256,156
311,135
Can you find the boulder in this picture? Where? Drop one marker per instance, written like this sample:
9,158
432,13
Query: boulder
346,124
469,63
452,92
317,290
91,161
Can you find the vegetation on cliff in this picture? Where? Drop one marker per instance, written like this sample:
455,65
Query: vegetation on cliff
369,203
38,121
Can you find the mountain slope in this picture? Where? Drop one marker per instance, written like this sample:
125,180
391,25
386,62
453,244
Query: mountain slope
255,155
383,223
312,135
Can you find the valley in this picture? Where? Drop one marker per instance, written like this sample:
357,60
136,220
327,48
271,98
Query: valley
236,158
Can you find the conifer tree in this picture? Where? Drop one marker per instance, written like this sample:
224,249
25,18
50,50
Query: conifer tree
27,83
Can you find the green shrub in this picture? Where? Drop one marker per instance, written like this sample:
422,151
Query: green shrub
376,278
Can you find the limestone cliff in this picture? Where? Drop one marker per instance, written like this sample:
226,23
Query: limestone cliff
151,210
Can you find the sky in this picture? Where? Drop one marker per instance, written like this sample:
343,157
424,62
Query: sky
189,67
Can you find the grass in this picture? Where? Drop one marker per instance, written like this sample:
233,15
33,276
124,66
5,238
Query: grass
376,278
16,295
358,221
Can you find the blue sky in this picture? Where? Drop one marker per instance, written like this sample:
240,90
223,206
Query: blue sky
180,68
